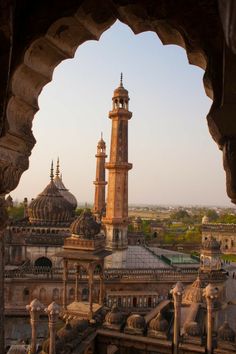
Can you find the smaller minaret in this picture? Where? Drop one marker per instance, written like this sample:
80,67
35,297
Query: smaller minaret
100,182
25,203
52,172
58,168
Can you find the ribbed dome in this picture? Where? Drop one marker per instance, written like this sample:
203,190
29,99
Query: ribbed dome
226,333
101,144
211,244
192,329
85,226
49,207
193,294
159,323
114,317
120,91
136,321
62,189
65,192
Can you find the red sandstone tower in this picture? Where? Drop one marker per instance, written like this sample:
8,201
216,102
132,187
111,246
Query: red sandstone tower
116,220
100,182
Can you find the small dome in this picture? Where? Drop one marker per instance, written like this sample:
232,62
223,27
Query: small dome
211,244
101,144
120,91
205,220
85,226
158,323
49,207
226,333
114,317
193,294
192,329
136,321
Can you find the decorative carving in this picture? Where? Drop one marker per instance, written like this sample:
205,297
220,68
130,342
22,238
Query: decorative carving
3,213
229,160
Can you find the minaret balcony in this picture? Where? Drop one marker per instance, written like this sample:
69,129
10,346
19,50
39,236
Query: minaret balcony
100,183
120,113
118,165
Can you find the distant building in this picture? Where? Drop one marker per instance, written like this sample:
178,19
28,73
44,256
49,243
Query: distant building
225,234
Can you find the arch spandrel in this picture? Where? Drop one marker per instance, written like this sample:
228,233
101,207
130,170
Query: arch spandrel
194,26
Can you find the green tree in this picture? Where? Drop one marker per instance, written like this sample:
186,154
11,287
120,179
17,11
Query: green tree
16,212
212,215
180,215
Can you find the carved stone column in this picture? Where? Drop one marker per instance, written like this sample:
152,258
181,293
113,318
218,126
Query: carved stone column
65,278
77,274
3,222
34,308
177,293
91,292
210,293
53,311
101,290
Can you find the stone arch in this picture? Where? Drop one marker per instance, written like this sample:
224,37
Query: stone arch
42,295
43,262
85,294
26,295
59,41
71,294
55,294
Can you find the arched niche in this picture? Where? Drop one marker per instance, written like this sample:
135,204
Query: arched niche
59,35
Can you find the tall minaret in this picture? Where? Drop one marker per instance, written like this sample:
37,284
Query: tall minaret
100,182
116,220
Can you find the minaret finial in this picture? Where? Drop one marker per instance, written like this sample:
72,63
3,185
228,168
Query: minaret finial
58,168
52,174
101,135
121,79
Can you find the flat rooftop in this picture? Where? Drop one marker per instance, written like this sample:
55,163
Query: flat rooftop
134,257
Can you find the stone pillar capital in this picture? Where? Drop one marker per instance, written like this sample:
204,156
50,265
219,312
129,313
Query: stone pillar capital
53,311
34,308
177,292
210,293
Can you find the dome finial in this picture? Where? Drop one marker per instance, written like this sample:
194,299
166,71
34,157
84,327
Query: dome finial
101,135
51,174
58,168
121,79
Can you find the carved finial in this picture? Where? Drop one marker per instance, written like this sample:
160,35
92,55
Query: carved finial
58,168
51,175
121,80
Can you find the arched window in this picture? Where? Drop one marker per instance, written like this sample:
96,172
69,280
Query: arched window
85,293
55,294
43,262
72,294
149,301
26,295
134,302
42,295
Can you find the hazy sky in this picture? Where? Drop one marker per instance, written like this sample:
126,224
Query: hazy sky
175,160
